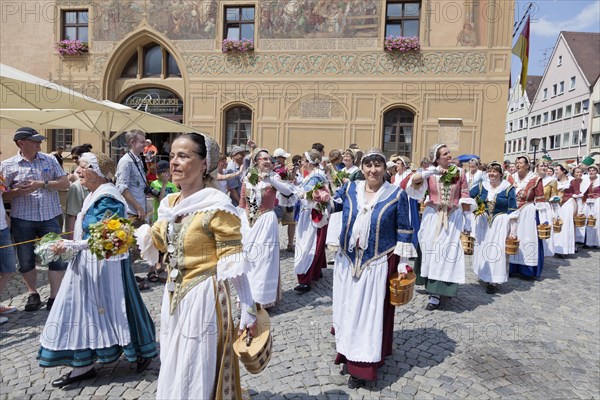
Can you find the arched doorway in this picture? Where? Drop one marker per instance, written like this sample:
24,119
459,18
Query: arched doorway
398,125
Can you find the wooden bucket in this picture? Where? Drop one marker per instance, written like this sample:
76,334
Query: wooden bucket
255,352
579,220
591,222
468,243
543,231
401,290
557,225
512,246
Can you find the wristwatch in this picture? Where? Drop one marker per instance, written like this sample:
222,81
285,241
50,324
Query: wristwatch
46,185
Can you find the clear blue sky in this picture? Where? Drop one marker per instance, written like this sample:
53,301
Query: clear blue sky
548,19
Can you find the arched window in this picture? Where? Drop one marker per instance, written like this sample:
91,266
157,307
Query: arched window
151,60
398,132
238,127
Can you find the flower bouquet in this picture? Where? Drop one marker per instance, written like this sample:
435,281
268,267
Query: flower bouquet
339,176
480,210
3,186
401,44
71,47
237,46
111,236
451,176
282,171
319,198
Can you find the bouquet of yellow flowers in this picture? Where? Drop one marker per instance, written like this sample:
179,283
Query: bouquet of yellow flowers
480,210
111,236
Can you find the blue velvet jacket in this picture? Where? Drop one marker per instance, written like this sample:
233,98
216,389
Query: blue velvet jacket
390,224
506,200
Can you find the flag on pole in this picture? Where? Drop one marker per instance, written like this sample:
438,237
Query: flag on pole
521,50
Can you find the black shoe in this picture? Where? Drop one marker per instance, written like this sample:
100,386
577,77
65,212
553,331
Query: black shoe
49,303
33,302
142,364
331,262
67,380
491,289
320,275
355,383
431,306
302,288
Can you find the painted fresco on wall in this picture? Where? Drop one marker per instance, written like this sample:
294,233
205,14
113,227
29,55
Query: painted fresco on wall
474,28
115,19
184,19
319,19
178,20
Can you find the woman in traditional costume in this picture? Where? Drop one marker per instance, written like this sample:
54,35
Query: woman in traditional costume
564,241
260,230
592,200
199,230
528,263
349,160
473,174
493,226
374,243
552,198
311,229
442,265
98,313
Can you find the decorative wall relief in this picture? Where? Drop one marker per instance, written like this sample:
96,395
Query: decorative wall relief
316,107
437,63
319,18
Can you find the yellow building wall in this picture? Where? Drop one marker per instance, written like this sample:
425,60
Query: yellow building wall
331,86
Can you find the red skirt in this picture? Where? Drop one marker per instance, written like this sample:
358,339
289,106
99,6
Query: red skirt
319,262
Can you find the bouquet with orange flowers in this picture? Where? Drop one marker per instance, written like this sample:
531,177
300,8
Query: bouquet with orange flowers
110,237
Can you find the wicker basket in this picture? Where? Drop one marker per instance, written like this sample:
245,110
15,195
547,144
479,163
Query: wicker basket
255,352
468,243
591,221
543,231
401,290
579,220
557,225
512,246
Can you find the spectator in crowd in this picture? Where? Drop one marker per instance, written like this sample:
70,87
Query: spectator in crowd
234,185
8,260
320,148
77,193
150,152
166,147
58,155
163,185
335,158
34,179
130,177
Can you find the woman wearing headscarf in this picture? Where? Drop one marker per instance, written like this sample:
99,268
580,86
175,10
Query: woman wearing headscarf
98,313
199,230
374,243
592,200
260,231
528,263
493,226
448,213
312,224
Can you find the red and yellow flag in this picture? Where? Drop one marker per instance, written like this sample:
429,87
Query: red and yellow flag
521,50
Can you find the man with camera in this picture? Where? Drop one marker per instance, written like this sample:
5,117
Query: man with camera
131,179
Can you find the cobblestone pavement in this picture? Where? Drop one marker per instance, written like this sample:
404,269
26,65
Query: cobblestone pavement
532,340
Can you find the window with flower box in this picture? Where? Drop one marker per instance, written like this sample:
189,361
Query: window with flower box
239,23
402,18
75,25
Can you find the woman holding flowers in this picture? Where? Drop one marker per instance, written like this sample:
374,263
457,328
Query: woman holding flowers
528,263
98,313
494,221
442,265
375,242
260,231
312,223
199,230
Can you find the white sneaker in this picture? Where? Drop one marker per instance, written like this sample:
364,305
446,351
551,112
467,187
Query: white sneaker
3,320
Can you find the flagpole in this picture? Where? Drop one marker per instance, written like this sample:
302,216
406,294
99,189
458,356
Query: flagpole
518,27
